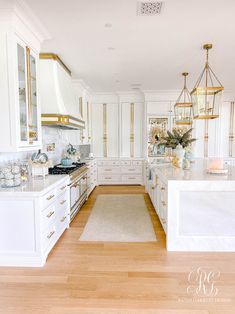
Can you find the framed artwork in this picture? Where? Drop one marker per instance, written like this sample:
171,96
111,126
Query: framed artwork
157,128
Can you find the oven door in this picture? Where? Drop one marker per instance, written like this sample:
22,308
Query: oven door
83,185
75,192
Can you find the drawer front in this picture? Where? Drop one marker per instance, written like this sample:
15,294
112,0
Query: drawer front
48,236
132,179
48,216
137,162
125,162
108,178
61,188
108,163
62,201
108,170
62,218
136,169
49,198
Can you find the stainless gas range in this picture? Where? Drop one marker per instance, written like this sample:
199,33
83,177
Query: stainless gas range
78,185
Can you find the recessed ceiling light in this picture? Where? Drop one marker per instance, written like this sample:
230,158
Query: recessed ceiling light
111,48
108,25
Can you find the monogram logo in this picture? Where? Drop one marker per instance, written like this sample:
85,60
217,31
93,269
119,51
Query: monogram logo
202,282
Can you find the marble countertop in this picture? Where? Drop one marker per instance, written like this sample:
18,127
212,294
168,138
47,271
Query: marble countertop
34,186
197,172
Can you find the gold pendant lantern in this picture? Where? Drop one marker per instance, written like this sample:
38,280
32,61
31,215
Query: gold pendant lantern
183,106
207,93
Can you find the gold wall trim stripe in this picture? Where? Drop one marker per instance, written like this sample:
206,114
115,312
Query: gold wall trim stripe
53,56
206,139
105,136
132,135
231,124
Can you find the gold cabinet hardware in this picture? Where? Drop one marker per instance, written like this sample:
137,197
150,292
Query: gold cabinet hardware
163,189
131,169
163,203
50,214
152,187
50,234
50,197
63,187
108,178
32,134
62,202
63,219
163,220
30,142
131,178
107,169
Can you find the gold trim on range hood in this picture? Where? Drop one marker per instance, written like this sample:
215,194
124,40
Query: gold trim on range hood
55,57
62,121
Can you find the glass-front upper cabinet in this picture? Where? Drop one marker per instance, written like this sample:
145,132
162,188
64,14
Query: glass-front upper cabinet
28,100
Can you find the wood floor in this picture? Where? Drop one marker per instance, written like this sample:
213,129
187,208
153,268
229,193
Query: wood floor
82,277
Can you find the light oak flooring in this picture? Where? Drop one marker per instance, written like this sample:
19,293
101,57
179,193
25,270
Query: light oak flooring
86,277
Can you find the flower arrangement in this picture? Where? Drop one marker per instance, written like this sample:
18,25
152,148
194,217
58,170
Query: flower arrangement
156,134
178,136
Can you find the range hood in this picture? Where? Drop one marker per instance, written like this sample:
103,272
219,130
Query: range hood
58,102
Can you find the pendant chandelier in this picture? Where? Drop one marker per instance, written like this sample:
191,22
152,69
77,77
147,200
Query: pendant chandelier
183,106
207,93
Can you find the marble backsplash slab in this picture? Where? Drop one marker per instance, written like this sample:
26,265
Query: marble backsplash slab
59,138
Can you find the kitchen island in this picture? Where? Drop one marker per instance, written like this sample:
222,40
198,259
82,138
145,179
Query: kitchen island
196,209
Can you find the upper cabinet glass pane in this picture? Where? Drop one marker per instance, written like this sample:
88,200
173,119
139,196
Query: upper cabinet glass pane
22,93
34,109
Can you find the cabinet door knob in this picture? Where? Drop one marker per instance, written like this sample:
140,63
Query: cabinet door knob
62,202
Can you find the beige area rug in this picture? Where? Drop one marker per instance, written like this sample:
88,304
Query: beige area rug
119,218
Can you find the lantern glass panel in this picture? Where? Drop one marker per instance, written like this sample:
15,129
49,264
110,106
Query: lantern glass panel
183,115
206,103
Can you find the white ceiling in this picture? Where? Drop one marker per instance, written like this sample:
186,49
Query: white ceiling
149,50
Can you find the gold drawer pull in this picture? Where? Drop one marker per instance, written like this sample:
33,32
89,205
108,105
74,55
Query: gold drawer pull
131,169
163,203
163,220
63,187
50,214
62,202
63,219
163,189
50,197
108,178
107,169
50,234
131,178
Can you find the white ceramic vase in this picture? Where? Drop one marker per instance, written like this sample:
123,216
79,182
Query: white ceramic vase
179,153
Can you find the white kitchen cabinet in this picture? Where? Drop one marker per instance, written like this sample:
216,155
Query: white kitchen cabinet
91,175
105,131
32,219
20,125
120,171
131,130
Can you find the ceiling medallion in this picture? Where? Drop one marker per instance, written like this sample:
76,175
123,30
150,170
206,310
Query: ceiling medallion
183,106
207,93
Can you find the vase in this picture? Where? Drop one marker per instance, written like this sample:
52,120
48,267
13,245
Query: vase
179,153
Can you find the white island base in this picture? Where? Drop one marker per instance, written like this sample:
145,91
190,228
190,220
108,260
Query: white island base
196,209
